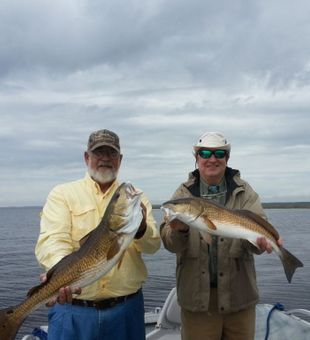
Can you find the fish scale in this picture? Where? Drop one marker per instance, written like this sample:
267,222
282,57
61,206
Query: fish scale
99,252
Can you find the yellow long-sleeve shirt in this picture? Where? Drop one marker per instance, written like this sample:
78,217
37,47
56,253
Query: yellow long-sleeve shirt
71,211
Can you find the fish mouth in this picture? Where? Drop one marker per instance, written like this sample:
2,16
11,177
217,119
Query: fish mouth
133,198
132,192
127,209
132,212
169,215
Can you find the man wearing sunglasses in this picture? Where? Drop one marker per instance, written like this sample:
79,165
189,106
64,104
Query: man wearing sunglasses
216,281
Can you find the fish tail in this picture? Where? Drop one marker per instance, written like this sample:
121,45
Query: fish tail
9,323
290,263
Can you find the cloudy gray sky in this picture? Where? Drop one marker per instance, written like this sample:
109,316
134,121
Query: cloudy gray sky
159,73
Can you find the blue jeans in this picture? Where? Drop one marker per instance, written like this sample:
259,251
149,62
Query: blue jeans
124,321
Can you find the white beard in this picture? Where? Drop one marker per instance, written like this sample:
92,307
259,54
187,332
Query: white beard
102,177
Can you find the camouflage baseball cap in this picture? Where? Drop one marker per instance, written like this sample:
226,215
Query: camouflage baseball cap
103,138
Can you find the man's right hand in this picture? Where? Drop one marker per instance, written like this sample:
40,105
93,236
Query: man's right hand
178,225
64,295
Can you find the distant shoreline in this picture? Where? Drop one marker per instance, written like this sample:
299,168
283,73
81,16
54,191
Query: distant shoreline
274,205
269,205
286,205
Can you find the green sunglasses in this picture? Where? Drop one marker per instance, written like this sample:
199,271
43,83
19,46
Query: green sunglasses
203,153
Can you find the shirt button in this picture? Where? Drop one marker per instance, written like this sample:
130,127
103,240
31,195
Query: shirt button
221,274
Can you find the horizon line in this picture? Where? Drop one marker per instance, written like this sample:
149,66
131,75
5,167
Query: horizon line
291,204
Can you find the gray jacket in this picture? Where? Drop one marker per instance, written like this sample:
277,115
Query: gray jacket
237,287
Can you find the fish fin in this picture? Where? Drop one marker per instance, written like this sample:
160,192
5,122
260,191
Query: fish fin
34,289
258,219
114,249
84,239
206,237
9,323
210,224
120,261
290,263
65,262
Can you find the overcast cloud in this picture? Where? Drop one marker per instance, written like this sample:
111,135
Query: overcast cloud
159,73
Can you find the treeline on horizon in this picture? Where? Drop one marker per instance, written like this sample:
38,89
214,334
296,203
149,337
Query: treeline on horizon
269,205
273,205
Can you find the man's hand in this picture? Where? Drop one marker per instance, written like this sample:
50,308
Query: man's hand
178,225
142,228
64,295
264,245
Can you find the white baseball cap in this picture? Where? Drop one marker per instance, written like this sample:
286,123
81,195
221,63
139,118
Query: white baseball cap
213,140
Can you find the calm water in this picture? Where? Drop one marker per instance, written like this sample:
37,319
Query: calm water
19,270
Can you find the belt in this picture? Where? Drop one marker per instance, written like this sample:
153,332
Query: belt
104,303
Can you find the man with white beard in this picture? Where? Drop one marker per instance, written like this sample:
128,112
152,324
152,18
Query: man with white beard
112,307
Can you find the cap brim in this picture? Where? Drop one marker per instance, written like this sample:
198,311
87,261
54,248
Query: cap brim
104,144
223,147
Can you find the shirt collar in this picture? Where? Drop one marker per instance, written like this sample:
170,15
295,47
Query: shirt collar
96,187
218,196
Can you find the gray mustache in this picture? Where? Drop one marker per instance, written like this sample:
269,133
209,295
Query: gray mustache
106,164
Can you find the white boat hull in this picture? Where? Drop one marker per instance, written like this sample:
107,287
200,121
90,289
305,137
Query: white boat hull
283,325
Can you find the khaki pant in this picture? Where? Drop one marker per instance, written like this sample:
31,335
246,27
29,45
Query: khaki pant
212,325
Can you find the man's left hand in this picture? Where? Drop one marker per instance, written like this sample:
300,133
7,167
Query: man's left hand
143,225
64,294
264,245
